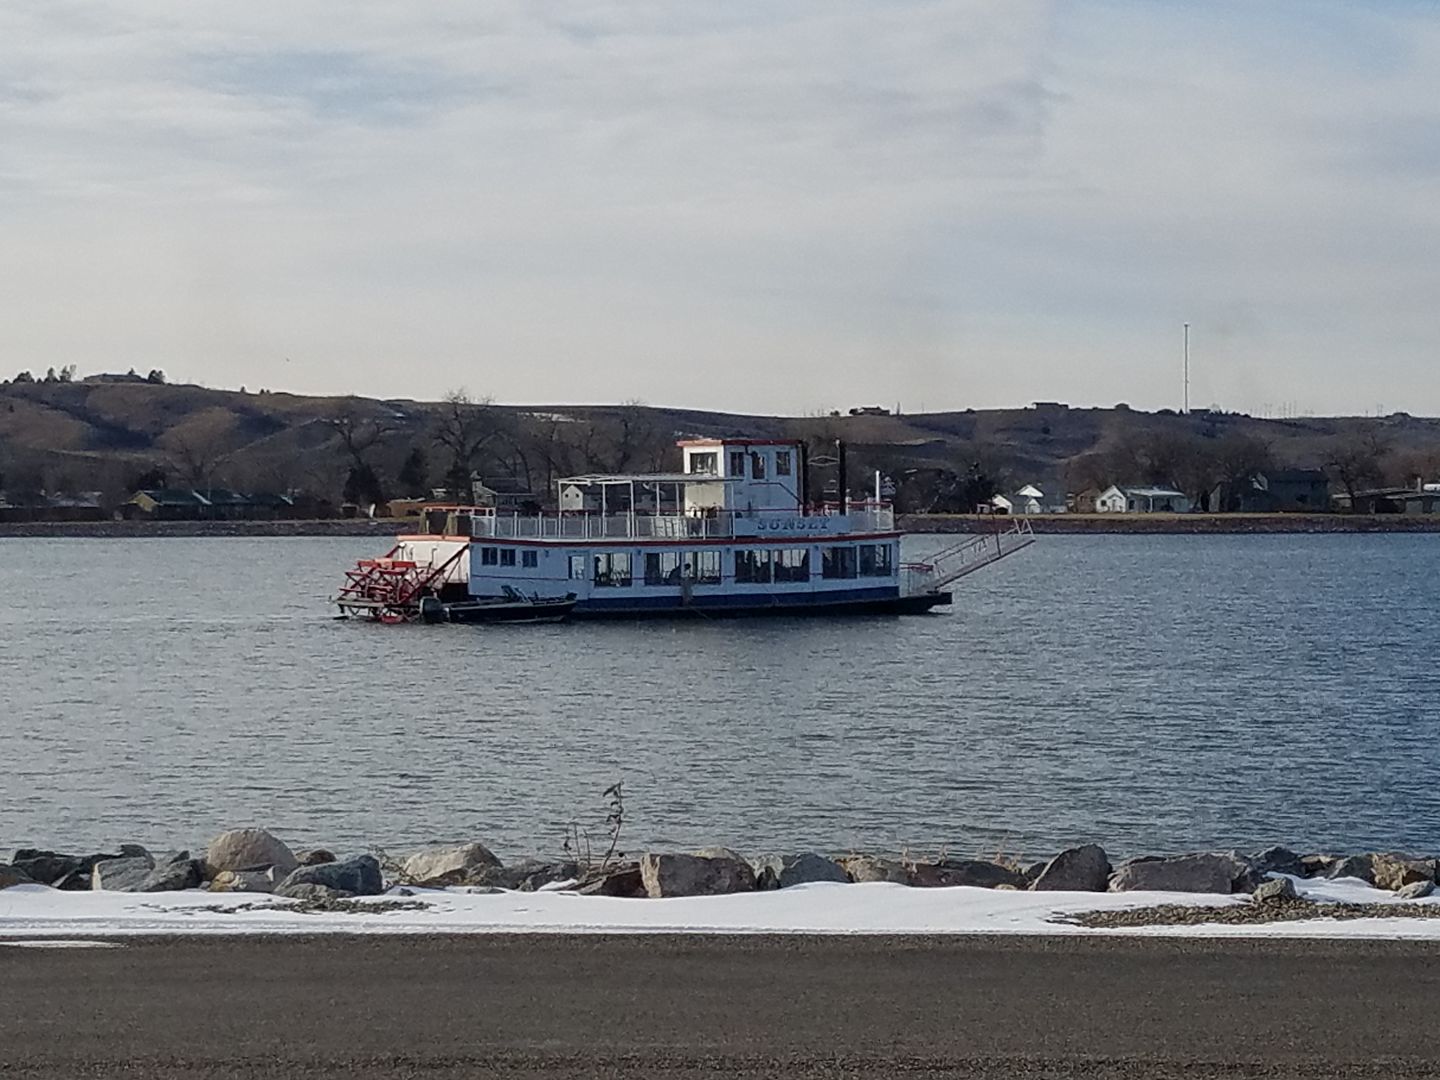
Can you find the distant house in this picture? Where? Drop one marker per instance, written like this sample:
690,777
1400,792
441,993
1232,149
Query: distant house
1029,500
1082,502
166,504
1274,492
76,506
1024,501
1421,499
870,410
504,493
1142,500
212,504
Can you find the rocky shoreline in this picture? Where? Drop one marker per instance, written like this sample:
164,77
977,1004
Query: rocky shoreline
253,860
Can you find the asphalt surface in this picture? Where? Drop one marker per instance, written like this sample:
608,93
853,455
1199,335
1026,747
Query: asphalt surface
699,1006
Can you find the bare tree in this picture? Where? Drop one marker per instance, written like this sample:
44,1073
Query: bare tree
640,439
464,428
1356,458
1239,459
195,456
360,430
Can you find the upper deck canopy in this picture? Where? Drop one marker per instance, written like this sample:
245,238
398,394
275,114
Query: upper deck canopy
612,479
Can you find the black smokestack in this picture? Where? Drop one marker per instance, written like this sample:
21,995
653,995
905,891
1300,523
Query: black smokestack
804,474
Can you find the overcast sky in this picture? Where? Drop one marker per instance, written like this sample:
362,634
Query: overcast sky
764,206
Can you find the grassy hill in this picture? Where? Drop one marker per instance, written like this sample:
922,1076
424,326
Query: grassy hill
114,436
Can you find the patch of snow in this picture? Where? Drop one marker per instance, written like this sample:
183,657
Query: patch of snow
822,908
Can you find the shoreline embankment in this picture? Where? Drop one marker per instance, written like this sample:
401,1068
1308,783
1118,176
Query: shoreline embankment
937,524
1173,524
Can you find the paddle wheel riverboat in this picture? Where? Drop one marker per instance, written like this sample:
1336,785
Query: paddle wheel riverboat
733,533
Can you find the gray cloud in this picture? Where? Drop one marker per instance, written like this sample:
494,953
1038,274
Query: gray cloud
772,207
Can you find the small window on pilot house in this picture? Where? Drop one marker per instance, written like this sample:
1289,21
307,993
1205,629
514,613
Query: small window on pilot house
507,556
737,462
530,559
489,556
782,462
757,466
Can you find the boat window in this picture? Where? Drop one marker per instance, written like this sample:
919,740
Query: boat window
752,567
662,568
706,567
838,562
875,560
782,462
578,563
613,569
489,556
530,559
705,463
507,556
757,465
792,564
737,462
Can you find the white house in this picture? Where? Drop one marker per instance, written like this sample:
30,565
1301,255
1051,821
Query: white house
1027,500
1142,500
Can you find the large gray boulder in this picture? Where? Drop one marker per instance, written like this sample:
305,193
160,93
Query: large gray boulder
973,872
863,869
72,873
1416,890
1317,865
358,875
177,873
10,876
248,849
1278,860
437,867
528,875
1274,891
1081,869
1394,872
695,875
622,880
121,875
1209,872
1353,866
782,871
47,867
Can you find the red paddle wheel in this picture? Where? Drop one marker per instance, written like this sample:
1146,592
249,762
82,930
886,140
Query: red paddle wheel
389,589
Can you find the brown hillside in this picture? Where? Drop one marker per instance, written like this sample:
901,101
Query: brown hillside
106,436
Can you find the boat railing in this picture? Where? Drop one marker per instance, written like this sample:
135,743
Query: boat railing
720,524
590,526
872,517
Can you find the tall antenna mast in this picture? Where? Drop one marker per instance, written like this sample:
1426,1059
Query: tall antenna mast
1187,369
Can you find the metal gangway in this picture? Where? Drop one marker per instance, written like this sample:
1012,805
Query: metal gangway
954,562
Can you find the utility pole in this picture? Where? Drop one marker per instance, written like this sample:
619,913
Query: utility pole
1186,410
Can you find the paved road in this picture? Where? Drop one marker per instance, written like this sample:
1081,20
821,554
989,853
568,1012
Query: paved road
691,1007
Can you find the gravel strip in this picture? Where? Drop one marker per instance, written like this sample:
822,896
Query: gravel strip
1244,914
